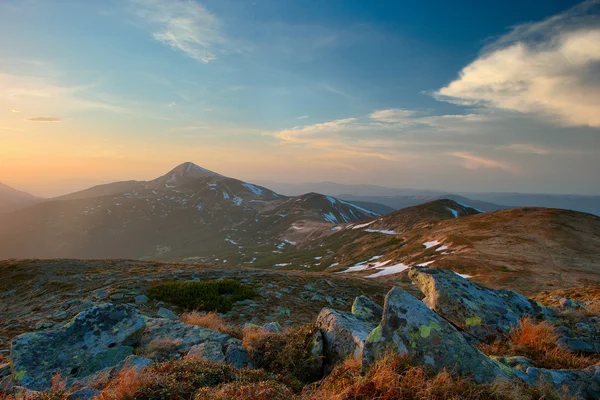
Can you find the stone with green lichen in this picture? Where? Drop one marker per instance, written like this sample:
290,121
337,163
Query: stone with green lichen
344,333
484,313
93,340
366,308
408,326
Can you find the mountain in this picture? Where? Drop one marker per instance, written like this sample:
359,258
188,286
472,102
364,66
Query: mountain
189,212
399,202
589,204
531,249
398,198
12,199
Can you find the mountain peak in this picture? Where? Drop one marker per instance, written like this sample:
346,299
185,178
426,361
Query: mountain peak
186,172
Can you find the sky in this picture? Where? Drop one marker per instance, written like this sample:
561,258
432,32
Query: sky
457,96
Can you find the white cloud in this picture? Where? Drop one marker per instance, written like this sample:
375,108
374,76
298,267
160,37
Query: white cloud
548,68
394,115
183,25
473,161
40,96
526,149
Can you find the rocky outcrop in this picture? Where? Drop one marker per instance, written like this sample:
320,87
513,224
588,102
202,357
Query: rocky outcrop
344,333
484,313
177,338
98,338
367,309
409,327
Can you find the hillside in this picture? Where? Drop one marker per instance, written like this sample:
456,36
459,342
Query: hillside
12,199
189,213
532,249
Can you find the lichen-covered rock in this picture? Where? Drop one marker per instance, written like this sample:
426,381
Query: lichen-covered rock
366,308
409,327
95,339
568,304
211,351
182,336
485,313
584,383
344,334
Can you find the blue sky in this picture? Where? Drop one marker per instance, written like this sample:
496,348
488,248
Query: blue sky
476,96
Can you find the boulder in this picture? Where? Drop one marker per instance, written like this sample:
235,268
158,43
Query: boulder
141,299
211,351
93,340
344,334
316,352
568,304
486,314
367,309
180,336
409,327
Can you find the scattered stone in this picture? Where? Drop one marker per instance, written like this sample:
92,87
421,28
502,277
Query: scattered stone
166,313
568,304
141,299
485,313
100,294
93,340
409,327
517,362
316,350
274,327
117,296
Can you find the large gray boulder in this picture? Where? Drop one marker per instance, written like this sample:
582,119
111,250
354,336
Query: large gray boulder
409,327
484,313
367,309
344,334
177,338
93,340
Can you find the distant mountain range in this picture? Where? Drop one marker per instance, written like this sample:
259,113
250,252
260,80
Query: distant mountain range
399,198
190,212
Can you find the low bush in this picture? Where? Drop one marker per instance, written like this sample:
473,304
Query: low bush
205,295
287,353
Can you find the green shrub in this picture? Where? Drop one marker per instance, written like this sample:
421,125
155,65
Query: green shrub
206,295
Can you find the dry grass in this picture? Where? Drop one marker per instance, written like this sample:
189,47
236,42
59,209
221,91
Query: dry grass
124,387
394,378
589,296
265,390
538,341
211,321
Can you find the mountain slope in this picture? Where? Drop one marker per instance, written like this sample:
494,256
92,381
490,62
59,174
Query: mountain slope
12,199
532,249
189,212
399,202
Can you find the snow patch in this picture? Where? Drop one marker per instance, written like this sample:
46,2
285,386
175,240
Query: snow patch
361,225
384,231
431,244
392,269
330,218
256,190
225,196
454,212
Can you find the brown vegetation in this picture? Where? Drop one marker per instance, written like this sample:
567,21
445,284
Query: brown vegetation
539,342
212,321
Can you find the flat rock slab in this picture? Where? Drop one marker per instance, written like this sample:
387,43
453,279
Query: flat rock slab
409,327
485,313
93,340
